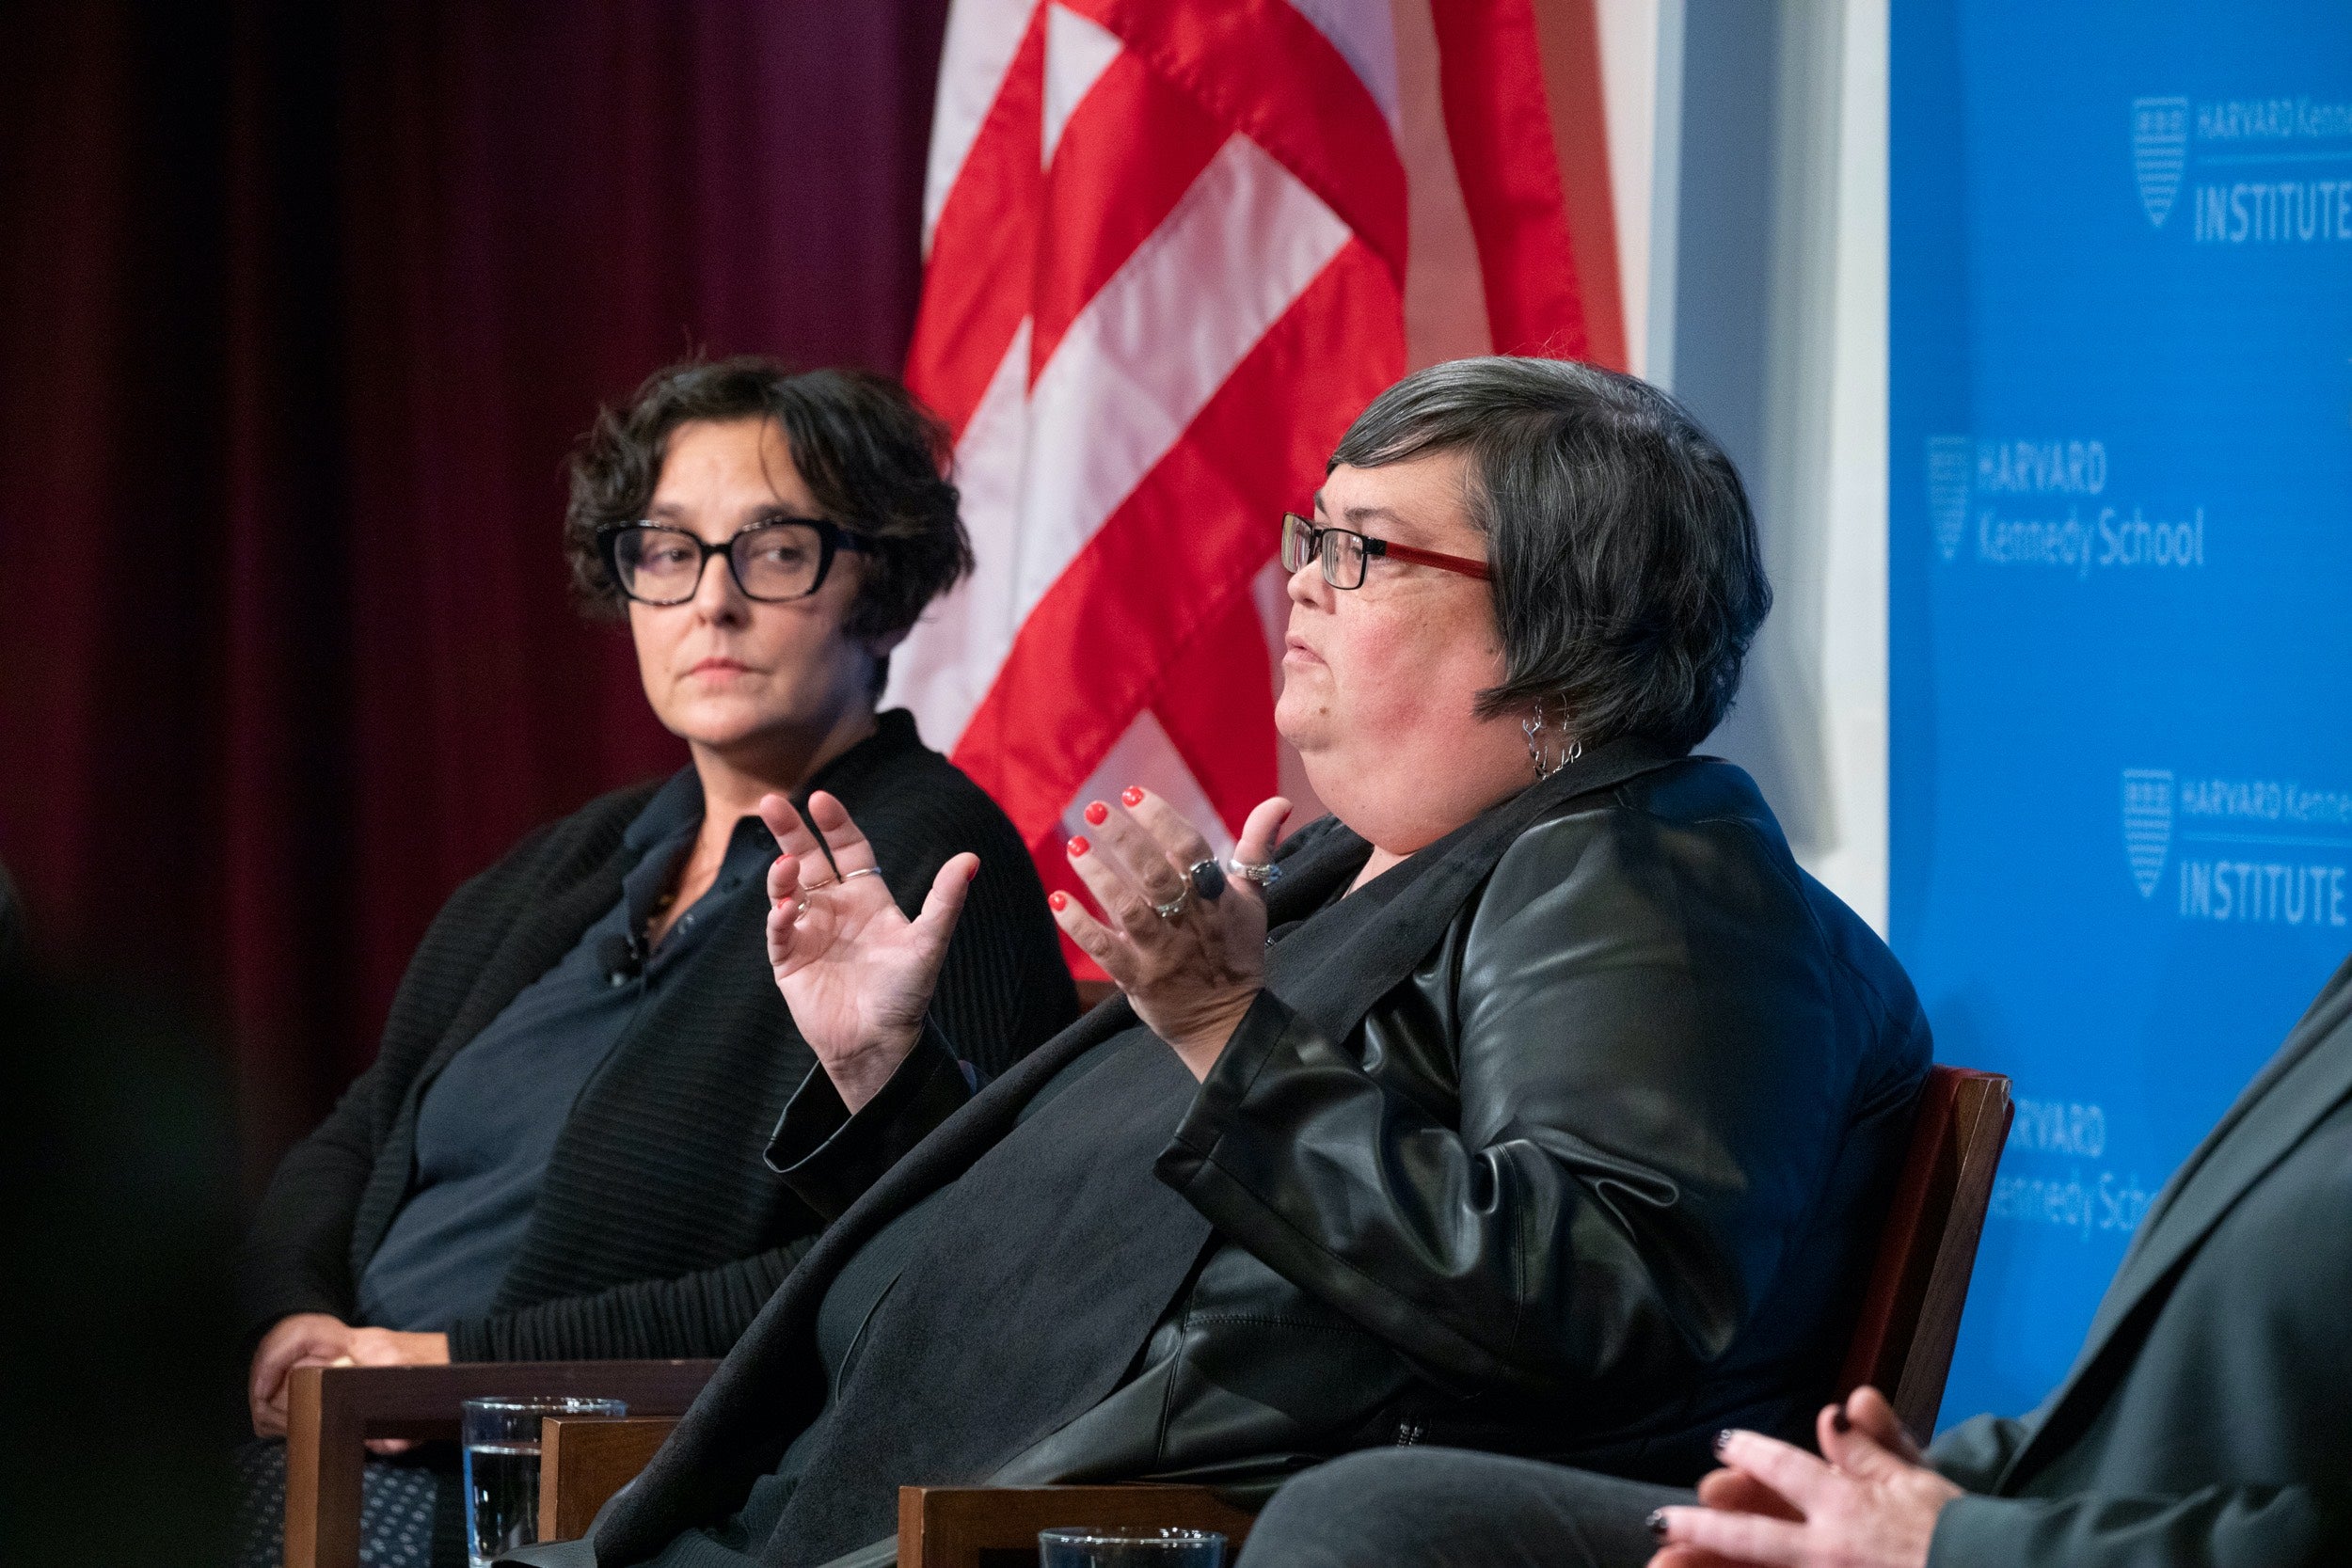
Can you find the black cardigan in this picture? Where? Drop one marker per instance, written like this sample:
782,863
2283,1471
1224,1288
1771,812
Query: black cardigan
659,1230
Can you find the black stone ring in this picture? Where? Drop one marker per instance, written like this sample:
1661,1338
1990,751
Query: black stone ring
1208,880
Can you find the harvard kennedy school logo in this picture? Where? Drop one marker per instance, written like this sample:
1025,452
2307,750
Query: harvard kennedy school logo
1949,458
2159,152
2147,823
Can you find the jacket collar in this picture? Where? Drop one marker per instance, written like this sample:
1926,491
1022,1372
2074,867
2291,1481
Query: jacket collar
2309,1077
1430,886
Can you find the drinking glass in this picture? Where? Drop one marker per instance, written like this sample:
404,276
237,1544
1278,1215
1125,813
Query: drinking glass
502,1440
1130,1547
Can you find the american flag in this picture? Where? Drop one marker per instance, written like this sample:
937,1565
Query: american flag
1166,248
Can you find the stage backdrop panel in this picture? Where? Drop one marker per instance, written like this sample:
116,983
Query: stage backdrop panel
2122,553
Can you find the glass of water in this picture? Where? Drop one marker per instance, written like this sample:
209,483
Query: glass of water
502,1469
1130,1547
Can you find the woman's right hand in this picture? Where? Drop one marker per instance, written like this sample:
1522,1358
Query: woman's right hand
300,1339
857,975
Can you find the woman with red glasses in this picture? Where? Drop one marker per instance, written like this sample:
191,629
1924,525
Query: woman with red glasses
1533,1100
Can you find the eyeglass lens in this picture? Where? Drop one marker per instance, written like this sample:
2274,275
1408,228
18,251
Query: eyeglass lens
1341,551
774,561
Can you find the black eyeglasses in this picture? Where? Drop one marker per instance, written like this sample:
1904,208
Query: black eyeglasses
780,560
1344,553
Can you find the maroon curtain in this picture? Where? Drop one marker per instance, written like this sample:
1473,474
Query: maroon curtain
302,306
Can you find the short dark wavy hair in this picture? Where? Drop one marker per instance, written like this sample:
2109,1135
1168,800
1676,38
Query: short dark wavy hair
875,458
1627,577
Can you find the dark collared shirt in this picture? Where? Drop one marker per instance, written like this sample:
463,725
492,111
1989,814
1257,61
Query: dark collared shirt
488,1122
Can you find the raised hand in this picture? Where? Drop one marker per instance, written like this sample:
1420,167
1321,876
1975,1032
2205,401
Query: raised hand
857,975
1191,974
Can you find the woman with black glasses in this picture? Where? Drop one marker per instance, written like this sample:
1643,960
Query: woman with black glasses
559,1152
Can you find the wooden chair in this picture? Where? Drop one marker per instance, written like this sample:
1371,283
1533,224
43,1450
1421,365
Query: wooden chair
1902,1340
584,1459
1902,1343
332,1411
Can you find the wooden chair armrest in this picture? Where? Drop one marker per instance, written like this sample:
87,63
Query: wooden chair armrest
584,1459
332,1411
995,1527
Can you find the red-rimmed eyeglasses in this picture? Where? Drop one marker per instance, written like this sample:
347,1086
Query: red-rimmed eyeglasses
1343,553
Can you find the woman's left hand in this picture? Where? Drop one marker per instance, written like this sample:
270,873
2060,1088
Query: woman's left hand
1190,975
1868,1502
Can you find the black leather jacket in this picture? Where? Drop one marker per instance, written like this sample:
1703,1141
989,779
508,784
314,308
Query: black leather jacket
1578,1148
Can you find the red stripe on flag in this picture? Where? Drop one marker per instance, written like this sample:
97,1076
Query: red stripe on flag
1216,702
1260,68
1172,556
983,251
1491,71
1579,138
1131,150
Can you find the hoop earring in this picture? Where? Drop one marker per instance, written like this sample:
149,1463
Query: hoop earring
1542,755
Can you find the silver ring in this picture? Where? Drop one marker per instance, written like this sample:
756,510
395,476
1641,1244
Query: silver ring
819,887
853,876
1175,905
1264,875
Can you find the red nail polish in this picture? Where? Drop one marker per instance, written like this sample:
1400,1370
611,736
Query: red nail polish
1098,814
973,873
1132,796
1079,846
1059,900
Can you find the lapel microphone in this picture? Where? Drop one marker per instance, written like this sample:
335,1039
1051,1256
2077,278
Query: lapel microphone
623,958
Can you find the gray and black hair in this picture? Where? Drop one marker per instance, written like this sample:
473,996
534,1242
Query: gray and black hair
1627,579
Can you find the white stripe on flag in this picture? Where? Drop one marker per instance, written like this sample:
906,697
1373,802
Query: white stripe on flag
944,669
1133,371
1078,49
1152,347
984,36
1365,35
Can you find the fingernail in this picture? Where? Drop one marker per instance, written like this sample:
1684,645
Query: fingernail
972,872
1722,1440
1098,814
1059,900
1132,796
1839,1422
1079,846
1657,1523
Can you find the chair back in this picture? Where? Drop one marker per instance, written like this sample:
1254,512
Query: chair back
1902,1342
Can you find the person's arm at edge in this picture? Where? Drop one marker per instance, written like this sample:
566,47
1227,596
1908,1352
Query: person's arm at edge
2219,1527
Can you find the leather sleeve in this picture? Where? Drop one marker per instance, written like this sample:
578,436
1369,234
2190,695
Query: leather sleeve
1653,1079
2220,1526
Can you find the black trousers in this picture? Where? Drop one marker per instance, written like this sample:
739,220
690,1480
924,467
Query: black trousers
1449,1508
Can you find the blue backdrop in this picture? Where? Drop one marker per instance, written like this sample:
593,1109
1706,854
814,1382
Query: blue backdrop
2121,592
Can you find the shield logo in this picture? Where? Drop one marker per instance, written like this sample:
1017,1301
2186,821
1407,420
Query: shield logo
2147,824
2159,152
1948,458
